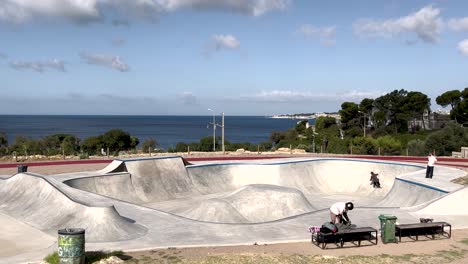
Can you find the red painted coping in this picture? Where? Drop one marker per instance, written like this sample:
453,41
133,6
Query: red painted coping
53,163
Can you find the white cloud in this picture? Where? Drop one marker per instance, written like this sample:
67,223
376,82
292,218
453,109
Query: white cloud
85,11
463,47
249,7
106,60
19,11
425,23
288,96
225,42
326,35
221,42
55,64
460,24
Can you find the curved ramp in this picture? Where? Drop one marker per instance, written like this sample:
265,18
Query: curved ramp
39,203
453,204
250,204
258,192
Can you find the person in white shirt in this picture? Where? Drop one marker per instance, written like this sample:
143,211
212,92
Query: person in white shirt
431,160
339,212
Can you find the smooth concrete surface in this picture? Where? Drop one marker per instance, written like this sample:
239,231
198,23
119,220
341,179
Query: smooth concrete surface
160,202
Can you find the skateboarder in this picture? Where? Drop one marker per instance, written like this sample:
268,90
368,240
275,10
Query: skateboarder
374,180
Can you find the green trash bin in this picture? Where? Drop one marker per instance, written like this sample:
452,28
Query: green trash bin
387,228
71,246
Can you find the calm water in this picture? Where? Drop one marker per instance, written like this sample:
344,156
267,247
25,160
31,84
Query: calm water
167,130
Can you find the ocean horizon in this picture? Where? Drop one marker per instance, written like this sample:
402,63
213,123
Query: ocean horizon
168,130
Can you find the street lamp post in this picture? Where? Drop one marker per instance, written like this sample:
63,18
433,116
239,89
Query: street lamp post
214,130
364,122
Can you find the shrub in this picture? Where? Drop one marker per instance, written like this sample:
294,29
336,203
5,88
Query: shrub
417,147
389,146
367,146
450,138
149,145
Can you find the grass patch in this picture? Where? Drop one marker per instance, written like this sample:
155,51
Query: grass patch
465,241
52,258
90,257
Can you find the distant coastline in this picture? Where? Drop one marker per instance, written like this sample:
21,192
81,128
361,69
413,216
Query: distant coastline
306,116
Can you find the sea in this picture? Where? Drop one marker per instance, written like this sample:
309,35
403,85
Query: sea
166,130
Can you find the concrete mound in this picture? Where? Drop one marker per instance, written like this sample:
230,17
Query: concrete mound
39,203
250,204
212,210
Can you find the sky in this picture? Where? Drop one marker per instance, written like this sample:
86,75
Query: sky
240,57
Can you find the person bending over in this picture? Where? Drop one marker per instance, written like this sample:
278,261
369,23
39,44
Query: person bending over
339,212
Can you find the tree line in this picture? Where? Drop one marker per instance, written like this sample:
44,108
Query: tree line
391,124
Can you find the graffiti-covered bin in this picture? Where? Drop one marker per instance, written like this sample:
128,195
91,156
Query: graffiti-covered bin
71,246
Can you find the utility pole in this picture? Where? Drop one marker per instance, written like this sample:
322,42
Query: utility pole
214,130
222,131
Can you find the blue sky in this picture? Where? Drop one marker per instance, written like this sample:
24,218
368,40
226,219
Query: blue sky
241,57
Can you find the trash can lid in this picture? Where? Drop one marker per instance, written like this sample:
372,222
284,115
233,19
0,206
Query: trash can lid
387,217
71,231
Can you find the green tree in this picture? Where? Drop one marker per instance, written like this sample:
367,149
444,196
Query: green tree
417,104
117,140
301,127
92,145
150,144
70,145
349,115
324,122
451,98
460,112
277,136
3,143
366,106
444,141
394,109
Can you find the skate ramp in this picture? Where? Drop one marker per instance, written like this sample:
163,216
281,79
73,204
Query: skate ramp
320,177
116,185
261,192
454,203
249,204
39,203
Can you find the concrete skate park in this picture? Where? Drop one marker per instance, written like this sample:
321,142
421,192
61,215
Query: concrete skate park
150,203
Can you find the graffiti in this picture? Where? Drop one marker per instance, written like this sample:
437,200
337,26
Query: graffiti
70,246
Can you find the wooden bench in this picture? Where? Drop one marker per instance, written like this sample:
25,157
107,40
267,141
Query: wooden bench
346,235
426,229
